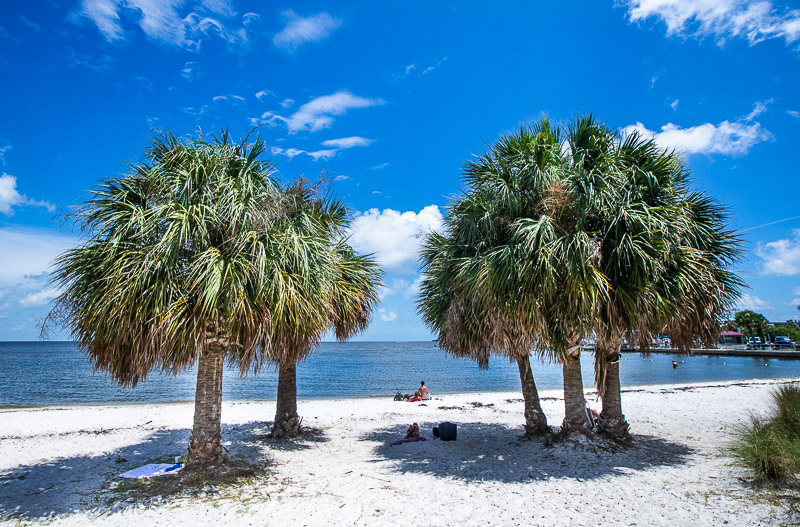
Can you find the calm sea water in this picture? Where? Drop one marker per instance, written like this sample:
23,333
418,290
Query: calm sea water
56,373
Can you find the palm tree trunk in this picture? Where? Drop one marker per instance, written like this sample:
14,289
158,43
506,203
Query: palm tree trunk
535,420
612,423
574,402
287,422
205,446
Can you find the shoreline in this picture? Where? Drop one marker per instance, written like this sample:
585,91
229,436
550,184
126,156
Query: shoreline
588,390
58,464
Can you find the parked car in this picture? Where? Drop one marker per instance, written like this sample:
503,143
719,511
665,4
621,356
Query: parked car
782,343
754,343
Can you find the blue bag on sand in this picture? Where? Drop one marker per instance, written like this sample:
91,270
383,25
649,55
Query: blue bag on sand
448,431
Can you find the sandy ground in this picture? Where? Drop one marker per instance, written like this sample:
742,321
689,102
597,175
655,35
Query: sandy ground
57,464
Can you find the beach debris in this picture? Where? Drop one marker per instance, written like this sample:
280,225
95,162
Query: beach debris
152,470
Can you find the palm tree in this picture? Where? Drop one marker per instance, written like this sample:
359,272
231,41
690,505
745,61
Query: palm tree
318,284
754,323
173,270
666,253
513,271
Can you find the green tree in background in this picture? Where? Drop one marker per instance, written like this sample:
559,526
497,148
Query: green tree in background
753,324
779,330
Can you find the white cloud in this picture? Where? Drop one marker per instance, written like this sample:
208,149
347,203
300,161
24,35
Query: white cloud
387,316
394,236
30,23
318,113
796,300
192,71
341,178
755,21
220,7
381,166
228,98
431,68
322,154
674,105
400,286
39,298
781,257
299,30
294,152
348,142
29,252
167,21
732,138
758,108
3,150
793,113
287,102
752,303
11,197
264,94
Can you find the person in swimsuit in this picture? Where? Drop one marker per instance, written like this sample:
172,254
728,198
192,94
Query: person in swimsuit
422,393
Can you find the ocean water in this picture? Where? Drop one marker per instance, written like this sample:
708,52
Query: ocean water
56,373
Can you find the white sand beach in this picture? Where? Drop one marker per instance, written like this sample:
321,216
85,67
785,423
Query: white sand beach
57,464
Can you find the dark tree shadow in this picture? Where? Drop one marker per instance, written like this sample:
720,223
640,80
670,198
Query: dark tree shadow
261,433
493,452
67,485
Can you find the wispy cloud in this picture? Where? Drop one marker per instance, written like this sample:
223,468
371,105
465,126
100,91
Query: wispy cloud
754,21
299,30
674,105
394,236
732,138
30,23
318,113
96,63
402,287
235,99
387,316
431,68
381,166
263,94
781,257
34,250
287,102
752,303
793,113
348,142
196,112
173,22
192,71
3,151
10,197
316,155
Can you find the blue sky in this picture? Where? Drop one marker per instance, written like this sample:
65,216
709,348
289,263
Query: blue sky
389,99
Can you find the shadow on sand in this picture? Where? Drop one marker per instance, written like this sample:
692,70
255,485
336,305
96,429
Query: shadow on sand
73,484
493,452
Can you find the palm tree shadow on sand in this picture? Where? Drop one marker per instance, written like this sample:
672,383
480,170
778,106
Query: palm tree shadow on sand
494,452
67,485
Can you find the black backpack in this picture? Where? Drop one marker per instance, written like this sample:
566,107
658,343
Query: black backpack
398,396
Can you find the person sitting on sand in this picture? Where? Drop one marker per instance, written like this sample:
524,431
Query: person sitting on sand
413,431
422,393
